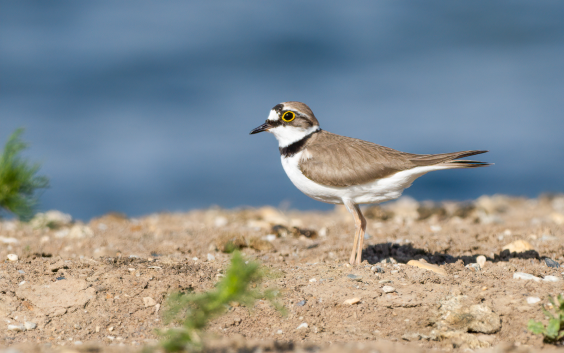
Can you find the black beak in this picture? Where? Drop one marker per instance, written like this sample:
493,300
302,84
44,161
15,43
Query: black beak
263,127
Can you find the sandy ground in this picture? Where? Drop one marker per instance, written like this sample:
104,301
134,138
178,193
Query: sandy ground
101,286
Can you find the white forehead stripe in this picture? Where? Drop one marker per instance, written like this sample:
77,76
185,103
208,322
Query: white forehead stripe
273,116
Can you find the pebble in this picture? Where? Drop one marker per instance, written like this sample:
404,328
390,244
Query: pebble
352,301
551,279
427,266
302,326
355,277
551,263
481,260
12,257
279,332
526,276
377,269
518,246
388,289
211,257
270,237
30,325
148,301
394,272
8,240
533,300
385,281
301,303
312,280
16,328
476,267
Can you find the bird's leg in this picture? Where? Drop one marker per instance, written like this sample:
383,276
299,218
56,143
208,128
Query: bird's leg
355,211
361,234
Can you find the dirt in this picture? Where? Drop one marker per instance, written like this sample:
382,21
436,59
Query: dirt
104,283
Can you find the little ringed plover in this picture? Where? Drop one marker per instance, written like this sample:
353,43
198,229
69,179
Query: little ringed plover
343,170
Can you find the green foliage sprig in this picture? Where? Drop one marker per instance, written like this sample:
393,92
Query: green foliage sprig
18,179
197,310
554,331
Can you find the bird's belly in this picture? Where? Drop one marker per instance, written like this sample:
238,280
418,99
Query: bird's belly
376,191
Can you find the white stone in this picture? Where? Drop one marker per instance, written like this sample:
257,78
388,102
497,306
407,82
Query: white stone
211,257
270,237
388,289
322,232
30,325
16,328
352,301
525,276
8,240
220,221
481,260
12,257
533,300
312,280
148,301
302,326
551,279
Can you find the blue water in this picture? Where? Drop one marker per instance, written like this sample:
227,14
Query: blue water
146,106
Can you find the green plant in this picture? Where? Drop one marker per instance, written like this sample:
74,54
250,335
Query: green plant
18,179
554,331
196,310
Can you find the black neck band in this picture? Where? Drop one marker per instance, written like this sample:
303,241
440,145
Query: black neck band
297,146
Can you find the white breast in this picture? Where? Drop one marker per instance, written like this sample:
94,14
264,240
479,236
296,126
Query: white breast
379,190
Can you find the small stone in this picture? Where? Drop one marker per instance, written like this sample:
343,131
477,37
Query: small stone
211,258
533,300
393,272
8,240
525,276
352,301
389,260
220,221
551,263
148,301
427,266
388,289
270,237
301,303
279,332
97,329
551,279
355,277
16,328
385,281
30,325
481,260
303,325
377,269
312,280
518,246
475,267
12,257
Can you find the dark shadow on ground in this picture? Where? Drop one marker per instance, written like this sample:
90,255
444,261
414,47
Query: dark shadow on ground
403,253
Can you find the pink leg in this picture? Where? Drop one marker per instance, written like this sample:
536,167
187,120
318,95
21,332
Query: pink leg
361,235
358,221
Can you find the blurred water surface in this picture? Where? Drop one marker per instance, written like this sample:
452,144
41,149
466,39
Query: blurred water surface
146,106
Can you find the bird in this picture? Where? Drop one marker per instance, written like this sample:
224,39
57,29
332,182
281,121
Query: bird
343,170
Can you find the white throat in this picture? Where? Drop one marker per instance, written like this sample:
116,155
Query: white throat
287,135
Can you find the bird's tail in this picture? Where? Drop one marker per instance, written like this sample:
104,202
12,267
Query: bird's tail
450,160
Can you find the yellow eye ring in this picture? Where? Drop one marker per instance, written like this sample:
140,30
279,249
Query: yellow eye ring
288,116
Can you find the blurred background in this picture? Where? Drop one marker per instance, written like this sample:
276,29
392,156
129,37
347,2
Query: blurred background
146,106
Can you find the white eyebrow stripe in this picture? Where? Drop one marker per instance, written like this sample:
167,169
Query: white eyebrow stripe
273,116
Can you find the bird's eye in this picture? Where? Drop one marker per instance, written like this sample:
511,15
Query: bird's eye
288,116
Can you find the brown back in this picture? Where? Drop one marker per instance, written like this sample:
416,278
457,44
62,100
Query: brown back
340,161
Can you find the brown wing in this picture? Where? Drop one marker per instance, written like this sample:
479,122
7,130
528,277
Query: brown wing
335,160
